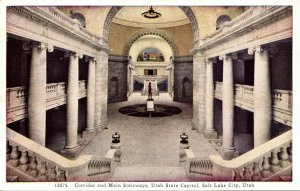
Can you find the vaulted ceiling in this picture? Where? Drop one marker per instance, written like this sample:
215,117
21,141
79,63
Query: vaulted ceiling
170,16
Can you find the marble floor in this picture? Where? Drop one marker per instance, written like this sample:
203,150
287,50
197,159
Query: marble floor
150,142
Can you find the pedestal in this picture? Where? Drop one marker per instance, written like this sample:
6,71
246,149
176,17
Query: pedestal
118,152
150,105
182,154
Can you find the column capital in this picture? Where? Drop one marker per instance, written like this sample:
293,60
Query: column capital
88,59
225,56
234,56
42,45
74,54
257,49
212,60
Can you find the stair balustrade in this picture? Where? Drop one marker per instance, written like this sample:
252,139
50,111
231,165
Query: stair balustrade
267,162
32,162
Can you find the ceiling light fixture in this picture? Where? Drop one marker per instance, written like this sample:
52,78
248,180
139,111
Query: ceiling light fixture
151,14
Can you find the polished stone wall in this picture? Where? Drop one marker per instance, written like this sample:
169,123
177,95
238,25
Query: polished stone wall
117,78
183,79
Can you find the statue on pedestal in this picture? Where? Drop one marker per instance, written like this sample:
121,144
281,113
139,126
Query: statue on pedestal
149,91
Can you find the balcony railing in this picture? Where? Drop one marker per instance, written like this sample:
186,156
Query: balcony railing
158,78
244,97
16,98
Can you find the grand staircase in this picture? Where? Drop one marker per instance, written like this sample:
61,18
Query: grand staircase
155,81
27,161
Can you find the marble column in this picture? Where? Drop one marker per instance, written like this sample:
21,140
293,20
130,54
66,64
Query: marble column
262,96
228,148
72,104
101,121
209,131
37,94
199,87
91,97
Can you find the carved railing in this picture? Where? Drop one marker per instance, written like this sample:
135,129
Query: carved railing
32,162
96,167
158,78
267,162
204,167
196,168
16,98
102,169
244,97
139,78
59,15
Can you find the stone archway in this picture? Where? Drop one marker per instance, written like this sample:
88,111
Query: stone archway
186,9
157,32
199,67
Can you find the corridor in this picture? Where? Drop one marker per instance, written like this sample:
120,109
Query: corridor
149,142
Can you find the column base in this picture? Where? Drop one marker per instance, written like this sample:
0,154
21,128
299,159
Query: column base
200,129
210,134
99,129
228,153
195,125
104,124
71,152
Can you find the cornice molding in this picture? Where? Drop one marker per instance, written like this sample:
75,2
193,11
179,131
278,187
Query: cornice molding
183,59
117,58
52,18
249,21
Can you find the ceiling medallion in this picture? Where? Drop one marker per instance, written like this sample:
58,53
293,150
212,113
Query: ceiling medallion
151,14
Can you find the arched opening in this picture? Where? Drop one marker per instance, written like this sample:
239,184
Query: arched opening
79,17
186,87
150,53
113,88
157,32
221,20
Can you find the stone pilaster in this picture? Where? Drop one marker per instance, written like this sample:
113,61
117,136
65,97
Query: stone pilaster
209,131
228,149
72,104
91,97
199,87
37,93
101,91
262,96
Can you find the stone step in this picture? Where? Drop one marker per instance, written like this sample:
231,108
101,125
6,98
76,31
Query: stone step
144,173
